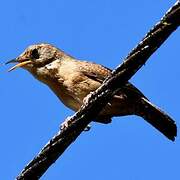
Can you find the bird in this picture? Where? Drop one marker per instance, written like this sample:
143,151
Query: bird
72,80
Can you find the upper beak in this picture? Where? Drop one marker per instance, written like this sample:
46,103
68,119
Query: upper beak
21,63
12,61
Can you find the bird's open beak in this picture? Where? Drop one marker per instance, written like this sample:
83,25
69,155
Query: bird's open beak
20,63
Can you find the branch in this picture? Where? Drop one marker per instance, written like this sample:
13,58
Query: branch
99,98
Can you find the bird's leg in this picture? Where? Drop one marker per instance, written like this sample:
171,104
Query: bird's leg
86,99
66,123
101,119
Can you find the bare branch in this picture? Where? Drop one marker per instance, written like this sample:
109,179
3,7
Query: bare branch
132,63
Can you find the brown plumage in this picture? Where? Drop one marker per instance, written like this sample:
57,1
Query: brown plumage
72,80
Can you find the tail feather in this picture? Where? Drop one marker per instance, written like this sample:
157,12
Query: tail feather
157,118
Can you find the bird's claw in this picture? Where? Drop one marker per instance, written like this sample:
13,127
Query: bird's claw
66,123
86,99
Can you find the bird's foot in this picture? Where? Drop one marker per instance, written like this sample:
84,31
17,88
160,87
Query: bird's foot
86,99
66,123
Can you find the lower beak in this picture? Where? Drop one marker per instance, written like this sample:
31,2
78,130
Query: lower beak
20,64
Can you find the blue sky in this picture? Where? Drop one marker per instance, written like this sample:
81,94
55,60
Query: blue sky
102,31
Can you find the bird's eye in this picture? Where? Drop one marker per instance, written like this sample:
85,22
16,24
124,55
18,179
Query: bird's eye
34,54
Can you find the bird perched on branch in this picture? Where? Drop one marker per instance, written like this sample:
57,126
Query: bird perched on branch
72,80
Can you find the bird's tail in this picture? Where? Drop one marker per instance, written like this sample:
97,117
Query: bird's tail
157,118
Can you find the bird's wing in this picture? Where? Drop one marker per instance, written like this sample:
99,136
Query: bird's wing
99,73
94,71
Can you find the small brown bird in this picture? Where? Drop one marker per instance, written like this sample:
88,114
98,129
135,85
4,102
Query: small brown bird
72,80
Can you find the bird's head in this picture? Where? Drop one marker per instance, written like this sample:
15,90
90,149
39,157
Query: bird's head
37,56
